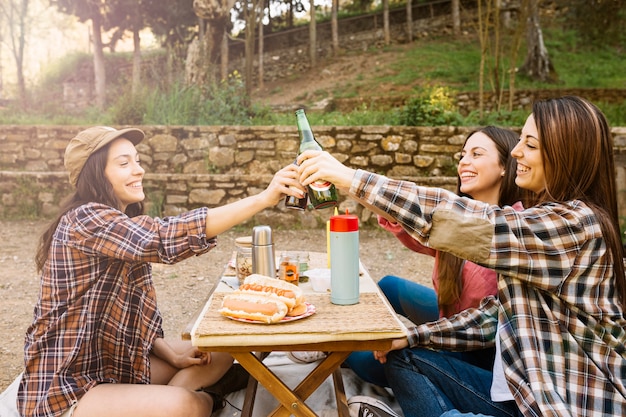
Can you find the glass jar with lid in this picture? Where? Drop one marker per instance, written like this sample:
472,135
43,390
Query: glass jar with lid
243,258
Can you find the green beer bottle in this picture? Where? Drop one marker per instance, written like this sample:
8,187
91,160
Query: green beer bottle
322,194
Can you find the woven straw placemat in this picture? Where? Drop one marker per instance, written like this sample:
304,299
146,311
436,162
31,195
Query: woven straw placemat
369,319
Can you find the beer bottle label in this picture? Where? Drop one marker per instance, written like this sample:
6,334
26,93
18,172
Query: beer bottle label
320,185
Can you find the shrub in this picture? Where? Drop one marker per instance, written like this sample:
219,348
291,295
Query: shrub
129,109
435,107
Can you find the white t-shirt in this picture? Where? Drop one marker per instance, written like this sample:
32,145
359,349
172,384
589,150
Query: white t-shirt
499,387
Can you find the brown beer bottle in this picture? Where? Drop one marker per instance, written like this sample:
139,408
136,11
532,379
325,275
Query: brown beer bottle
322,194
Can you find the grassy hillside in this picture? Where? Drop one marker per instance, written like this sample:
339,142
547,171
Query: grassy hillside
415,69
409,70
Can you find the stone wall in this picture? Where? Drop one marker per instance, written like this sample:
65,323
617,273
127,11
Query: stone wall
193,166
468,101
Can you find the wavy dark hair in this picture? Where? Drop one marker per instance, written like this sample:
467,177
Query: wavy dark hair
92,187
449,269
577,152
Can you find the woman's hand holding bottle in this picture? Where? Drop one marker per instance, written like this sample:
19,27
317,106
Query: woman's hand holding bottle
320,165
285,182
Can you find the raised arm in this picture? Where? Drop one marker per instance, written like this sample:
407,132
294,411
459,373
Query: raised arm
222,218
317,165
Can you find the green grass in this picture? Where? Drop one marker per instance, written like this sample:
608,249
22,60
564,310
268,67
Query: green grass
444,62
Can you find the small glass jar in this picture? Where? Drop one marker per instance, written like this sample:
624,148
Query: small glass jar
303,262
288,269
243,259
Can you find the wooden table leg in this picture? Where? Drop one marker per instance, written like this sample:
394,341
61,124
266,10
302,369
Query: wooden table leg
291,403
248,402
340,394
317,376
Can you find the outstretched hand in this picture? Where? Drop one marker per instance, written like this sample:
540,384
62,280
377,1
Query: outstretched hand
284,182
396,344
318,165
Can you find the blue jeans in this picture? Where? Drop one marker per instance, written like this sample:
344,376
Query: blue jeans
457,413
417,303
427,383
414,301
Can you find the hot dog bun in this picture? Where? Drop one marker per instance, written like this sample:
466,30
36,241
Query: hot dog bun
297,310
288,293
258,307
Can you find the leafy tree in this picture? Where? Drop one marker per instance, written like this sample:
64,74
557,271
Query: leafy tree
123,16
86,10
251,14
15,14
216,13
597,22
537,65
175,24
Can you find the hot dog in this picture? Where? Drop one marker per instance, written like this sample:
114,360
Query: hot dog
258,307
288,293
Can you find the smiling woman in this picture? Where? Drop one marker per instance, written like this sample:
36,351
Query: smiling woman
530,173
486,172
561,282
97,292
124,172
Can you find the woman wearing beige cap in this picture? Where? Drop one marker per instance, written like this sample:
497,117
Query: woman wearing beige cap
96,346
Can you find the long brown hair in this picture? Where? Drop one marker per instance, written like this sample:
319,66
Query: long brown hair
92,187
577,152
450,266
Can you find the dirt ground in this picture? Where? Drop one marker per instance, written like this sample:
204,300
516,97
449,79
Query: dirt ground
181,288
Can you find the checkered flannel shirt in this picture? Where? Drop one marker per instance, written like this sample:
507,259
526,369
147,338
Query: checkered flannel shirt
563,330
97,318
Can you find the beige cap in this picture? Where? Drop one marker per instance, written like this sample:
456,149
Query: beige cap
90,140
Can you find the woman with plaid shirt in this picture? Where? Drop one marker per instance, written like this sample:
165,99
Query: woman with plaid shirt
558,321
96,345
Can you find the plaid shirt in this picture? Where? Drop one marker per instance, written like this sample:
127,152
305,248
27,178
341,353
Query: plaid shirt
563,331
97,318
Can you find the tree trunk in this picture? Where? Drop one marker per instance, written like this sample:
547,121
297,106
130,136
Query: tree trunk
17,15
537,65
261,75
482,36
516,43
224,57
250,16
313,36
386,22
290,14
1,68
456,18
170,65
202,65
334,26
409,20
136,83
98,61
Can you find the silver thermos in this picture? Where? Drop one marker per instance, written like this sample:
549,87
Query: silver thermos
263,258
